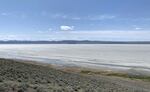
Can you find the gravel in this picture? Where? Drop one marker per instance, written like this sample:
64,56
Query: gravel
26,77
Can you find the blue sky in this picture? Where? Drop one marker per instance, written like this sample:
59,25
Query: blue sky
75,20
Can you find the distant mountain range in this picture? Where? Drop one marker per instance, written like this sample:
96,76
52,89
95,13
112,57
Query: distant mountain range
73,42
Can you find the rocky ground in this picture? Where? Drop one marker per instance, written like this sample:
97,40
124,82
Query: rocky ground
26,77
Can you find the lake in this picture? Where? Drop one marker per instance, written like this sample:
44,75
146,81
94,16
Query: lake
124,56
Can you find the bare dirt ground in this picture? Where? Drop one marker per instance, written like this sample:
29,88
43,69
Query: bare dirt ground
31,77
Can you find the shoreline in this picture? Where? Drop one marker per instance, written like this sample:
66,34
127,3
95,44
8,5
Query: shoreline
36,75
130,74
121,57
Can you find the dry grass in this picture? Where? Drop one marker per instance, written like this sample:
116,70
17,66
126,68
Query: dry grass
116,74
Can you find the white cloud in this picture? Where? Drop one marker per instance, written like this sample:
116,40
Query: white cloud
59,16
45,31
138,28
76,18
90,17
101,35
8,37
10,14
40,31
64,16
101,17
66,28
107,35
50,29
5,14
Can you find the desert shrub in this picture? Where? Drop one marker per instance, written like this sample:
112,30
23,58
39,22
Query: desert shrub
21,90
3,88
40,89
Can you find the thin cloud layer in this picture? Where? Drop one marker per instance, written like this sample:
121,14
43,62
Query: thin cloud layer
55,19
84,35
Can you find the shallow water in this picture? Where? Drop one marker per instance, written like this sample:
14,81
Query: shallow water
89,55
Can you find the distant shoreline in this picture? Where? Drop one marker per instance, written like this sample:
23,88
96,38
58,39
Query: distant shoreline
73,42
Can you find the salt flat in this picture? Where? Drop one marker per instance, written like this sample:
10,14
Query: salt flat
125,56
